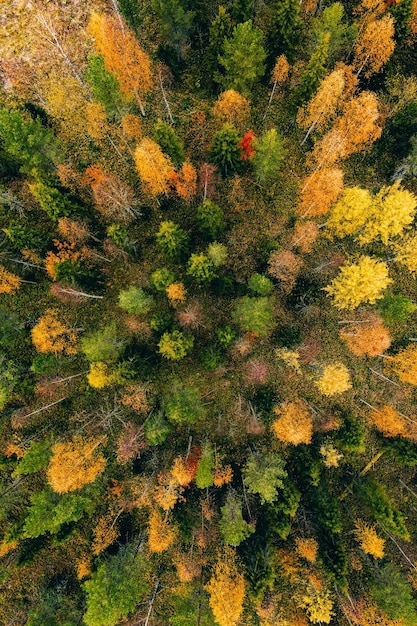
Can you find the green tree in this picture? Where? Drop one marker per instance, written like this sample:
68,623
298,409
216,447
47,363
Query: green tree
376,497
263,474
243,58
135,300
394,595
157,429
176,23
117,587
205,468
161,278
184,405
395,308
210,218
342,34
254,314
167,138
48,512
104,86
269,157
232,525
217,253
315,70
220,30
175,345
103,345
35,458
171,239
225,152
260,284
52,201
286,27
201,268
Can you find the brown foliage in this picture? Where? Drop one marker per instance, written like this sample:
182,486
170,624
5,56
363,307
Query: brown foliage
256,372
191,316
305,234
285,266
74,231
130,442
136,398
114,199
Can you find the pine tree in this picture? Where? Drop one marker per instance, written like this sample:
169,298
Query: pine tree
243,58
315,70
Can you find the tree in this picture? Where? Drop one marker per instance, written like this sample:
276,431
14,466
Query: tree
246,145
100,375
161,534
279,75
210,218
166,137
154,168
374,45
395,308
334,379
341,33
243,58
225,151
232,525
260,284
286,27
231,108
50,335
48,512
226,588
184,405
284,265
9,282
305,234
116,587
307,548
122,56
175,345
205,468
103,345
263,474
135,300
388,421
351,212
368,337
315,70
294,424
104,85
217,253
320,190
176,294
185,181
176,23
201,268
254,314
171,239
269,157
404,364
358,125
75,463
406,253
359,282
52,201
113,197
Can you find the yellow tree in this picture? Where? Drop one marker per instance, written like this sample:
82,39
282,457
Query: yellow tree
226,588
279,75
350,212
388,421
75,463
374,45
323,105
356,283
334,379
294,424
154,167
176,293
9,282
404,364
100,375
406,253
122,56
307,548
319,191
367,337
369,540
231,107
50,335
161,533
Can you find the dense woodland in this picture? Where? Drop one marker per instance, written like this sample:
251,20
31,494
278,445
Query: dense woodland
208,312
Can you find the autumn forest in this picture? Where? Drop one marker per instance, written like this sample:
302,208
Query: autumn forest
208,312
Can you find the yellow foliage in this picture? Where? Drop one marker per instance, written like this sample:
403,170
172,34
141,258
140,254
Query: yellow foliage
406,253
161,534
369,540
105,533
364,281
317,603
358,124
368,337
374,45
231,107
154,168
132,126
182,472
9,283
350,212
96,120
280,71
99,375
83,566
176,293
290,358
226,588
295,424
323,105
50,335
7,546
168,491
331,456
334,379
307,548
404,364
222,475
75,463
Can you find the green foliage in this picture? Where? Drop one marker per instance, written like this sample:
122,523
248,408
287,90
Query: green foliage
26,140
184,406
381,507
157,429
402,13
315,70
116,587
120,236
342,34
395,308
161,278
135,300
254,314
286,27
103,345
176,23
226,335
217,253
130,10
232,525
269,157
53,202
263,474
48,512
104,86
201,268
45,363
225,152
394,595
260,284
167,138
350,436
220,30
171,239
243,58
210,218
10,326
175,345
23,236
205,467
34,459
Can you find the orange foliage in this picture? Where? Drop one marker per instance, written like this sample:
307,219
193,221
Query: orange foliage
50,335
132,126
404,364
96,120
136,398
388,421
307,548
154,167
83,566
320,190
294,424
183,472
75,463
222,475
105,533
7,546
113,198
176,293
185,181
9,283
231,107
374,45
65,253
73,231
280,71
168,491
161,534
187,567
122,54
358,124
368,337
226,588
305,234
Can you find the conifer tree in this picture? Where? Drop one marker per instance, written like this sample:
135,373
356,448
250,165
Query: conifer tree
243,58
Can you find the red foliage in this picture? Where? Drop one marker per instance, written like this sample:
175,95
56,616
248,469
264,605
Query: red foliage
246,144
